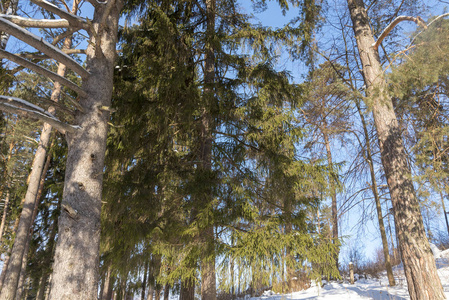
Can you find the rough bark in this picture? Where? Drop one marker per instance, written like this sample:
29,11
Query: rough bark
383,233
108,285
76,266
187,290
419,263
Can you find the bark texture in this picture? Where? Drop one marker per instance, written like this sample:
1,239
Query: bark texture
187,290
76,266
419,262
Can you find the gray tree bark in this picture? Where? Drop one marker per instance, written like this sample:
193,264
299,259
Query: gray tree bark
76,266
419,263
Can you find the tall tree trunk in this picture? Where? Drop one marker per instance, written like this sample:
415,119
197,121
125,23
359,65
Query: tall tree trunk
208,285
419,262
333,187
144,283
26,217
187,290
48,258
383,233
290,271
108,284
166,291
157,260
150,291
30,233
76,266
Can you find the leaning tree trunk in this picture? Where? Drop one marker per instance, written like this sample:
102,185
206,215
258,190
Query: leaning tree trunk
15,261
383,234
419,262
22,277
76,266
21,240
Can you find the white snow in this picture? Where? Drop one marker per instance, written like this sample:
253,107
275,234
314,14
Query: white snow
377,289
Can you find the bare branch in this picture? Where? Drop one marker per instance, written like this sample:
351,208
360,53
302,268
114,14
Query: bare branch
24,108
72,19
41,56
38,69
59,107
434,20
389,28
42,45
62,36
36,23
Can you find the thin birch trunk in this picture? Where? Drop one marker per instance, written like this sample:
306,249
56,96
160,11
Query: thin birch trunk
419,263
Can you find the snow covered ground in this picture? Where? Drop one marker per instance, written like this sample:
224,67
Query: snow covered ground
376,289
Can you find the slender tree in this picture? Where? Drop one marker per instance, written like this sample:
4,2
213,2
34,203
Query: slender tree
419,263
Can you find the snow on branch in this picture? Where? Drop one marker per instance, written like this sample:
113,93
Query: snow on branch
38,69
42,45
22,107
418,20
72,19
36,23
96,3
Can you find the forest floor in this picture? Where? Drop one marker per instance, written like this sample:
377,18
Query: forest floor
373,288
